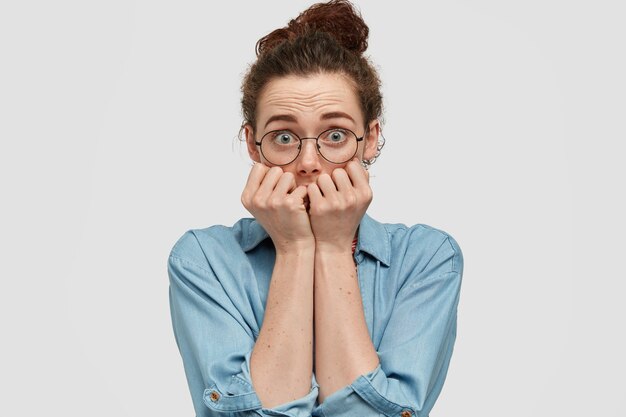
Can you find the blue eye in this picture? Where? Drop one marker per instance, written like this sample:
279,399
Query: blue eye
284,138
335,136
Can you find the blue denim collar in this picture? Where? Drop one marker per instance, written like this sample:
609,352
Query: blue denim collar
374,239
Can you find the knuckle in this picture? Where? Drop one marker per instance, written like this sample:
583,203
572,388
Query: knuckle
317,211
275,203
246,198
320,208
257,201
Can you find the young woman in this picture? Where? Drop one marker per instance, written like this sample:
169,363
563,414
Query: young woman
311,307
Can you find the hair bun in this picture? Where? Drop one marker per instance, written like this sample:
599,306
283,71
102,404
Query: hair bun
338,18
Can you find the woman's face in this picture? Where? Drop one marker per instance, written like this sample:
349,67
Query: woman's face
307,106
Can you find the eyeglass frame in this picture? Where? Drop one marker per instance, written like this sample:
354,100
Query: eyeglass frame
317,145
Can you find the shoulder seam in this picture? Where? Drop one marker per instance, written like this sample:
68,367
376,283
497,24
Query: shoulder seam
193,232
454,257
435,252
183,260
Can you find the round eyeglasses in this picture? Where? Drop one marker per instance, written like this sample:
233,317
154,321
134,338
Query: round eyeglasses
336,145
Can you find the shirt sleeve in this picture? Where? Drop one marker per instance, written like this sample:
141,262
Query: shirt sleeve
416,347
216,343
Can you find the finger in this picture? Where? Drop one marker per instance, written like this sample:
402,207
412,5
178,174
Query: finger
326,185
358,175
300,192
257,173
315,195
269,182
341,179
285,184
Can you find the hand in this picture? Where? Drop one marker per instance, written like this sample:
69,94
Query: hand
273,198
338,203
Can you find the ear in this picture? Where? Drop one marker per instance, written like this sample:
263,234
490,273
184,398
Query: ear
253,149
371,139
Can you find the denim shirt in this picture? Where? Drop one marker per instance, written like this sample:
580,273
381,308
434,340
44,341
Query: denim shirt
409,278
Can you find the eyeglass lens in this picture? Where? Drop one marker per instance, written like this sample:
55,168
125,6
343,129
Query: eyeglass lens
282,147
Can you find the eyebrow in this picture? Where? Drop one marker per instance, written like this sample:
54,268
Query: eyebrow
325,116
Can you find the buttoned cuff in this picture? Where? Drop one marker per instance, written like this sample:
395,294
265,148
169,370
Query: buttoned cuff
238,394
364,398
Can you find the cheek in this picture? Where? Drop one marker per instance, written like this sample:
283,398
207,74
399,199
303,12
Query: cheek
290,168
266,162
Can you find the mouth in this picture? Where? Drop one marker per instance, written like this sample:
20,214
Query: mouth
306,202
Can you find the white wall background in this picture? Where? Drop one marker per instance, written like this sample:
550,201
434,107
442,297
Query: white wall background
117,125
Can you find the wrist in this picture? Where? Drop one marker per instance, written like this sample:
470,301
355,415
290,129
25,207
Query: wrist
334,247
295,247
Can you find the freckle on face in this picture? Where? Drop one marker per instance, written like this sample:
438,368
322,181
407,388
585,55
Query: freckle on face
306,100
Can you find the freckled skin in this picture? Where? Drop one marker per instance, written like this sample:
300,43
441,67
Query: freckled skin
307,99
312,219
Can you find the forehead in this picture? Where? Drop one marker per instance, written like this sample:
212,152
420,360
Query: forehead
307,98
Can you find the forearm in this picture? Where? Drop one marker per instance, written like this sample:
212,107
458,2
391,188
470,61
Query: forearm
282,358
343,347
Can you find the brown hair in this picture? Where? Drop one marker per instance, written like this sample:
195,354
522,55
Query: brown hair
327,37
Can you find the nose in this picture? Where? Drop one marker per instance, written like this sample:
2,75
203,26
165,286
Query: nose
308,162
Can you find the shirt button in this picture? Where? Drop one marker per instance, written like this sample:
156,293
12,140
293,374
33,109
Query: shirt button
406,413
216,396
